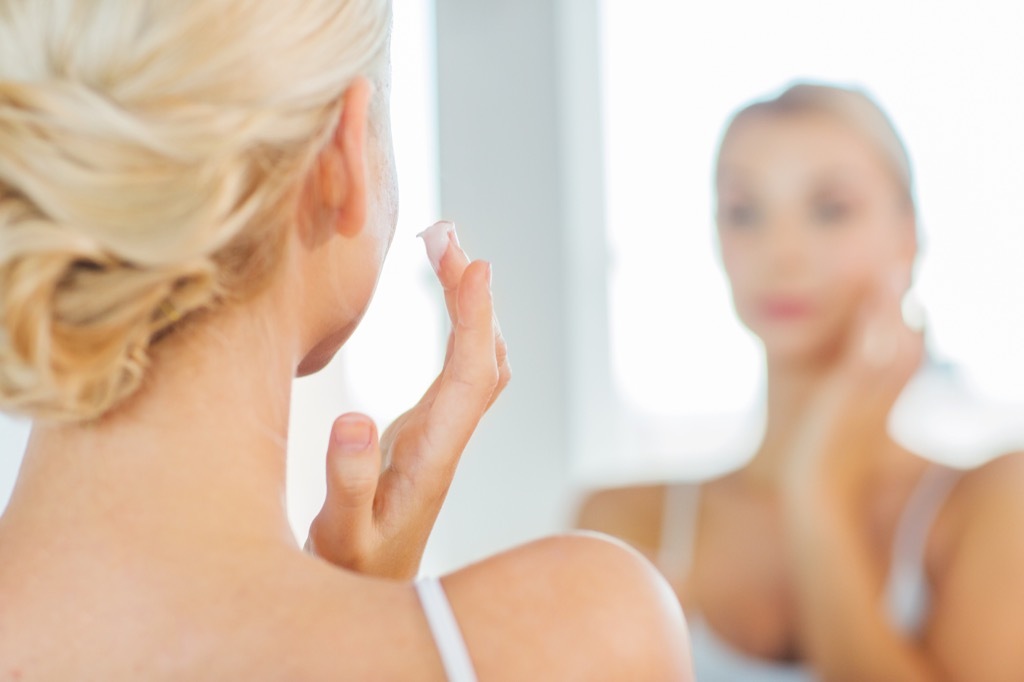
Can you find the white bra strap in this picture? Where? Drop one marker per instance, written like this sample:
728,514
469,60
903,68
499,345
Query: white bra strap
678,529
447,636
907,591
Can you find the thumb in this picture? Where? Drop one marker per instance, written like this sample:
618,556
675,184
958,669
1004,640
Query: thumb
343,529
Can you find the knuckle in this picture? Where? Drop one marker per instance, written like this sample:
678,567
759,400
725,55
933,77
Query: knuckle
491,378
483,376
354,489
315,534
358,494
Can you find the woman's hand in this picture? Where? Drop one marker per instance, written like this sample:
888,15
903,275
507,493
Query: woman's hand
838,578
383,495
850,412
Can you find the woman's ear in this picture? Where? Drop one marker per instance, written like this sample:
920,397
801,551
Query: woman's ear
342,168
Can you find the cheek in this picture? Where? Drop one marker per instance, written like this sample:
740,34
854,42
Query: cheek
847,273
855,262
385,216
731,263
740,264
845,268
736,258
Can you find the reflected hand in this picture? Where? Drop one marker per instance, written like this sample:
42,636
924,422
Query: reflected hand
383,495
852,408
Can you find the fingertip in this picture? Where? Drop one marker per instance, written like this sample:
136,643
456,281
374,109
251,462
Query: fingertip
353,433
483,270
437,239
445,253
353,461
475,305
453,263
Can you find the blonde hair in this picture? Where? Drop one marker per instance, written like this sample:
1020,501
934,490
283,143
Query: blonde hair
854,108
150,153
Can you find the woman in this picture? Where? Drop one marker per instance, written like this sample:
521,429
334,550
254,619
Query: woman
820,557
195,203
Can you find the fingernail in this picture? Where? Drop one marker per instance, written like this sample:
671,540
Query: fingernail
490,274
352,433
436,238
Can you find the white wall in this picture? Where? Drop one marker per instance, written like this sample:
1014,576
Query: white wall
510,78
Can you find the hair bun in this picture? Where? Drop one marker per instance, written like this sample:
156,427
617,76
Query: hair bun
152,153
75,328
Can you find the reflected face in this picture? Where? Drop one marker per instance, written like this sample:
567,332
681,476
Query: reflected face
810,217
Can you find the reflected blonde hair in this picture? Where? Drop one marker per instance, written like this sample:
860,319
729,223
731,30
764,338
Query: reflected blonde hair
151,153
852,107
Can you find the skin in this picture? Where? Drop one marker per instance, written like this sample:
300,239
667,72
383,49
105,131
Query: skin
818,243
155,545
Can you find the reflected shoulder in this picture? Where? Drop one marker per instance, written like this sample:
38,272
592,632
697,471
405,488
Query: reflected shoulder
992,493
979,573
632,513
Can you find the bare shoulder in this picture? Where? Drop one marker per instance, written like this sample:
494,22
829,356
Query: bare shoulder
991,493
985,506
633,514
979,575
254,615
571,607
352,627
1004,472
557,609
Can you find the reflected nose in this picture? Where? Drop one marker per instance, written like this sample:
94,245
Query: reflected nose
784,247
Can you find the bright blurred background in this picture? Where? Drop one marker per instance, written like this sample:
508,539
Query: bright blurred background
572,141
686,373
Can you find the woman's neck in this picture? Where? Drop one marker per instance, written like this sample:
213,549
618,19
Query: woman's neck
792,388
197,455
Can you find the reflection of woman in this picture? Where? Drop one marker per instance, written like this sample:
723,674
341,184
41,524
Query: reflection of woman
834,553
195,203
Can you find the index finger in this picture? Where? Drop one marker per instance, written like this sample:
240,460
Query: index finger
467,382
448,260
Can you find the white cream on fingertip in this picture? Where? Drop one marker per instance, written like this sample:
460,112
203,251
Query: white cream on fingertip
436,238
914,314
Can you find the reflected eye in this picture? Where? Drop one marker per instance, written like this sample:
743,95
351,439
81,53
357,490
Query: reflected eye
830,212
739,215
